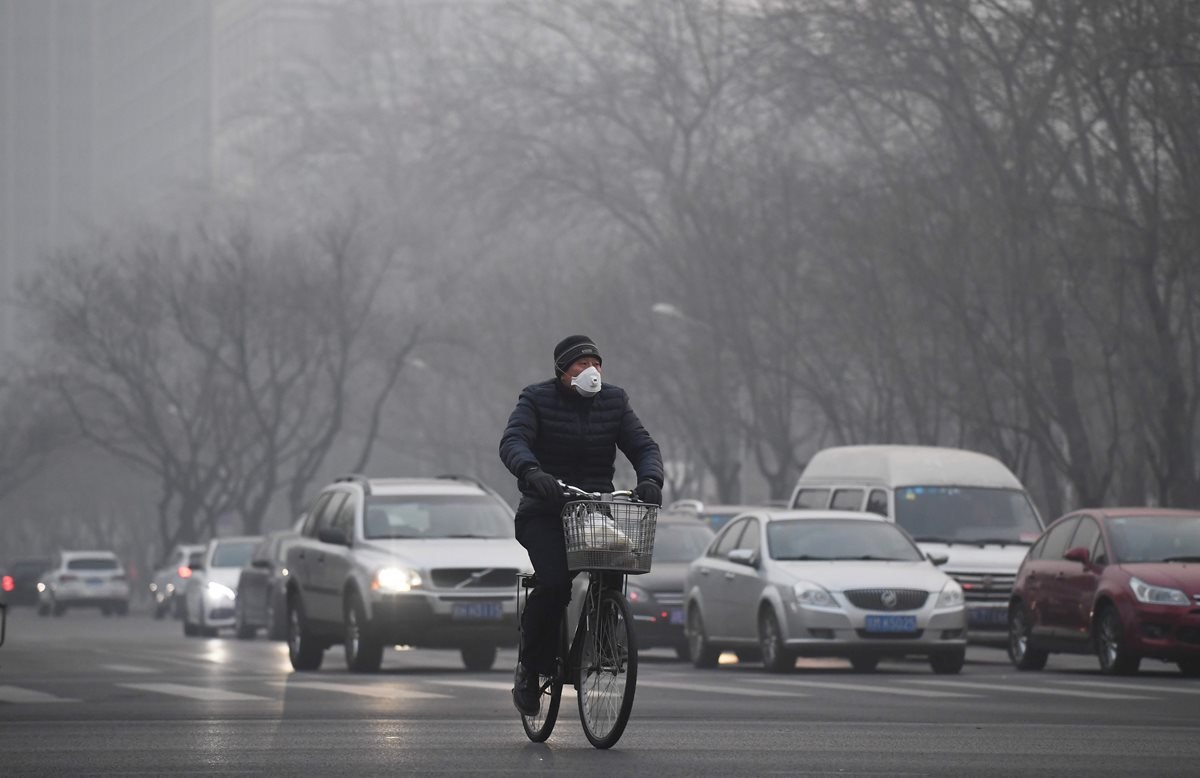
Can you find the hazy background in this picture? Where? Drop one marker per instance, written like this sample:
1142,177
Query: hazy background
247,245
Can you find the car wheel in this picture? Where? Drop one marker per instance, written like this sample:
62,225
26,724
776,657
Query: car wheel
364,653
243,630
775,656
304,651
105,611
160,610
1190,668
277,628
864,663
189,629
1020,652
683,650
43,609
948,662
121,608
478,657
703,655
1115,659
59,609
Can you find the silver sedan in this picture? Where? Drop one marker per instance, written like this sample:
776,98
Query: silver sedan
821,583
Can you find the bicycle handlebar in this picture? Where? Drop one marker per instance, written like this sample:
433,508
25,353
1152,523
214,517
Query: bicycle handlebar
575,491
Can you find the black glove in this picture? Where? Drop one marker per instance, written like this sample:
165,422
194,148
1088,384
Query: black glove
543,483
649,492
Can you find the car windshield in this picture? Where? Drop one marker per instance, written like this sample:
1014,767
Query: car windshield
95,563
236,554
678,542
29,568
437,516
819,539
952,514
1155,539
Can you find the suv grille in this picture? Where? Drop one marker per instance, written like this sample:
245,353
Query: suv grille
474,577
985,587
873,599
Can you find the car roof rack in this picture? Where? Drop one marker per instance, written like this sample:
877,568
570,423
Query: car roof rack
357,478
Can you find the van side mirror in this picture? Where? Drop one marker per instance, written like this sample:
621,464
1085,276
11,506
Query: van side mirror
1079,555
744,556
334,535
264,564
937,559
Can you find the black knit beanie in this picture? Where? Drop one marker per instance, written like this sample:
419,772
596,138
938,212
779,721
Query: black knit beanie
572,348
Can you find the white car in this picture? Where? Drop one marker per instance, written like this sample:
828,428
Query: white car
212,588
94,579
822,583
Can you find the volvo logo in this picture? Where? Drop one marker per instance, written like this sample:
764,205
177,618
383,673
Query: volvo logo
473,578
888,599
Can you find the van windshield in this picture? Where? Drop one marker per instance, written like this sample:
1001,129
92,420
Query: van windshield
951,514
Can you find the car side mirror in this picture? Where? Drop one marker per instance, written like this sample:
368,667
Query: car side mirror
197,566
1079,555
264,564
744,556
937,559
334,535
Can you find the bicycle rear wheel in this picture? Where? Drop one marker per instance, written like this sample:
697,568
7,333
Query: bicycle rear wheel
607,668
539,726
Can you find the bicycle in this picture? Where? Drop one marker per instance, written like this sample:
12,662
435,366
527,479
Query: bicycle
608,536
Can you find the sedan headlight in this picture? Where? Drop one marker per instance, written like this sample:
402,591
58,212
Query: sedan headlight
812,596
1157,595
220,590
396,579
951,596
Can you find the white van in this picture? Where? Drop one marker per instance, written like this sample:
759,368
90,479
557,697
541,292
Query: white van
962,505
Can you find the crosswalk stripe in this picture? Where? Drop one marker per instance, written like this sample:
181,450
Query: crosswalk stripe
1134,687
1028,690
193,692
692,687
394,692
859,687
132,669
17,694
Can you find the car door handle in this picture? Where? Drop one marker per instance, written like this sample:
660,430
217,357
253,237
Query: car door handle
730,576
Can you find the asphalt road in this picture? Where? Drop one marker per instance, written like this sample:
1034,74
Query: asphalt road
88,695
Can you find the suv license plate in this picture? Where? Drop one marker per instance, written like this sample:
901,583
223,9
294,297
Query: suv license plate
987,616
477,611
891,624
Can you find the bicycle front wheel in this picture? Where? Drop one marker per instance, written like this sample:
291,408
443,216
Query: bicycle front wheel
607,668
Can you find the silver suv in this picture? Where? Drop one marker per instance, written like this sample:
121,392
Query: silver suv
425,562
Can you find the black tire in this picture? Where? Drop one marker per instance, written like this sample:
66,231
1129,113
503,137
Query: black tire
243,630
59,609
1020,652
304,651
948,662
1190,668
364,652
121,608
189,629
608,664
775,656
539,726
704,656
276,619
683,650
478,657
43,609
160,610
864,663
105,610
1114,658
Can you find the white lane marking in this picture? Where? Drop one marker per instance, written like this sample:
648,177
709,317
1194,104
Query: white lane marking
1133,686
693,687
860,687
132,669
568,689
995,687
17,694
381,692
193,692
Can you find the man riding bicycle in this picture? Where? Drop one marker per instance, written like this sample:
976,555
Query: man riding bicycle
566,428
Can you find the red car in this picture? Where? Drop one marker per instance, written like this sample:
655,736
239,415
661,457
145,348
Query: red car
1121,582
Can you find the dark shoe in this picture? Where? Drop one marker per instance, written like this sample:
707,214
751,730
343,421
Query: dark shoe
527,694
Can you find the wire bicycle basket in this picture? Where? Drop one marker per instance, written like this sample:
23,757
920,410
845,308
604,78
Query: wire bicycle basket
615,536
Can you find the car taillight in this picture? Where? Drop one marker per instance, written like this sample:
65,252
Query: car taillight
185,571
6,583
67,578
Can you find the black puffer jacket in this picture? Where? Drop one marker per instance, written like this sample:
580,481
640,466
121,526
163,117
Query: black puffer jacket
575,439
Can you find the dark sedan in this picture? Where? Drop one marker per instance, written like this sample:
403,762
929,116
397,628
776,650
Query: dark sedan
262,589
21,580
656,598
1121,582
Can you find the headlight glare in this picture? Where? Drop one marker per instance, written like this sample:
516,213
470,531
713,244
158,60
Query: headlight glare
220,590
1157,595
396,579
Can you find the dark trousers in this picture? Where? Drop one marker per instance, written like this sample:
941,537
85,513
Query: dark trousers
540,531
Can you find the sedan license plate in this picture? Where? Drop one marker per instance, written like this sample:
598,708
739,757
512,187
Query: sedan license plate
891,623
676,616
95,581
477,611
987,616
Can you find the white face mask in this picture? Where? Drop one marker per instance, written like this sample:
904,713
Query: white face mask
588,382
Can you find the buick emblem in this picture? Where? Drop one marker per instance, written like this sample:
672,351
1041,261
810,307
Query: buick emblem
888,599
987,583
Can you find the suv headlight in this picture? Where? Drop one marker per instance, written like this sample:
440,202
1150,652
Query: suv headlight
396,579
220,590
1157,595
951,596
812,596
